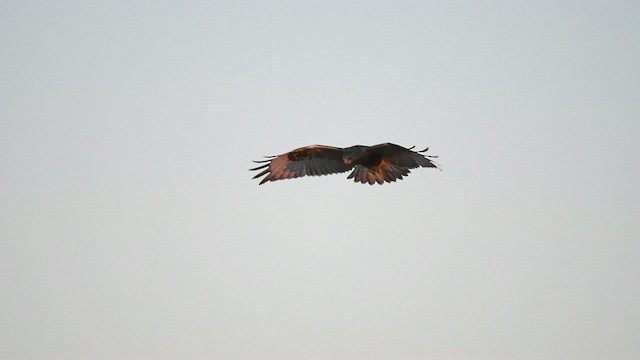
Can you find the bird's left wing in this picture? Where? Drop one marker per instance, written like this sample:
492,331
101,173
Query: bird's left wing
403,157
313,160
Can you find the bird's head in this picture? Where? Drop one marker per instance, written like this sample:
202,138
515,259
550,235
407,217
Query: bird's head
352,154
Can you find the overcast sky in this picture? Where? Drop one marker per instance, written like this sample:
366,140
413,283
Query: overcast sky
130,227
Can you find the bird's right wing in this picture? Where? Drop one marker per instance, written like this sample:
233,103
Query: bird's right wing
310,160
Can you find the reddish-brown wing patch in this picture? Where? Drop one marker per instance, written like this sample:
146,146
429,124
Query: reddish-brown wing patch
308,152
311,160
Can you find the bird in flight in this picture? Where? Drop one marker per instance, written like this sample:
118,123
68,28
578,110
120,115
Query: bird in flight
371,164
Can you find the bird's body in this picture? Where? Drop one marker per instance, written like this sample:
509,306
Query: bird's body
371,164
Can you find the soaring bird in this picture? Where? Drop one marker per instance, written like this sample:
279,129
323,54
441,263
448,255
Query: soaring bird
371,164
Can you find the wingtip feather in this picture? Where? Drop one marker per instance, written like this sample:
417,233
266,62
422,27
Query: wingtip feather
259,167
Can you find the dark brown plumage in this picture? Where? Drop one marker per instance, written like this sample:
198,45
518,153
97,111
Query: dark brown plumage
371,164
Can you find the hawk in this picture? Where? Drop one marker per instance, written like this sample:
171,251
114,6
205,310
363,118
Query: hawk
371,164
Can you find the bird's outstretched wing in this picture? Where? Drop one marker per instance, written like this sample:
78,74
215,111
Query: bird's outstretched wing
310,160
403,157
392,163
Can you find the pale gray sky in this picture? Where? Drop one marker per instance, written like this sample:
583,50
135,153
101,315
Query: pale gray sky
131,228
